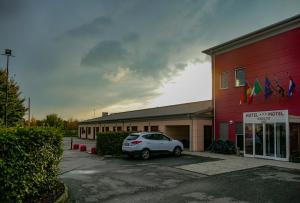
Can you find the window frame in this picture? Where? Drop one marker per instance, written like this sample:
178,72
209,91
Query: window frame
134,128
235,78
221,74
227,132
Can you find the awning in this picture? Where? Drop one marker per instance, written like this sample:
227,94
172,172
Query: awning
294,119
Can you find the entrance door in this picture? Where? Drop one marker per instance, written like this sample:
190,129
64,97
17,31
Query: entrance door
248,139
280,140
94,132
259,140
270,140
267,140
207,136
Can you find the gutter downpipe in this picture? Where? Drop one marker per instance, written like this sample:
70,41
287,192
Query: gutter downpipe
214,94
191,142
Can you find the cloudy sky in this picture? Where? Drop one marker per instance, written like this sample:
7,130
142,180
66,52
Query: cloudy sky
79,58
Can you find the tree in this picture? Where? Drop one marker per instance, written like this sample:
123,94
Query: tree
53,120
15,105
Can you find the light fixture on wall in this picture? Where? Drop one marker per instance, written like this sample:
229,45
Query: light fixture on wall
231,122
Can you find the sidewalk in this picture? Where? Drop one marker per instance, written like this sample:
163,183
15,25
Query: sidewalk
230,163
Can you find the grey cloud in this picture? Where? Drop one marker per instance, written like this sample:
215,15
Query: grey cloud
92,29
104,54
131,38
180,66
203,59
143,59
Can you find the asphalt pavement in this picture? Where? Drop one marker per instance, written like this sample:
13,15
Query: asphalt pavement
92,178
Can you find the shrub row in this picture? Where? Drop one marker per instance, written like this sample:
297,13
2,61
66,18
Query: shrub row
29,159
70,133
110,143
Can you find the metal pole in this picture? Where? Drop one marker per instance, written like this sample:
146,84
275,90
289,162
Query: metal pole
6,89
29,120
7,54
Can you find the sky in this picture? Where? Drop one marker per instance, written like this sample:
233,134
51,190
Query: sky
80,58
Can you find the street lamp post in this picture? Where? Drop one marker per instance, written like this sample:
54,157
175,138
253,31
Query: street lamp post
7,53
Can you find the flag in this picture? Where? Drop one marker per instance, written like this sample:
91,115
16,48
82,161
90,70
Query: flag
279,89
243,97
268,89
292,87
246,93
255,90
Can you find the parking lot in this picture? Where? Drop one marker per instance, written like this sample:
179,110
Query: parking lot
92,178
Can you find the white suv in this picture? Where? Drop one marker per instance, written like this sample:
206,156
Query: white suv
146,143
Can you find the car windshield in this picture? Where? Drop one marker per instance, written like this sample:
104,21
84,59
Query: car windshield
132,137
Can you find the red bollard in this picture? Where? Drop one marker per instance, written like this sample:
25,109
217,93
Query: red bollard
75,146
93,150
82,147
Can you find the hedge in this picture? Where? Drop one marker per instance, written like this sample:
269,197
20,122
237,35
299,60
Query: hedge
29,159
110,143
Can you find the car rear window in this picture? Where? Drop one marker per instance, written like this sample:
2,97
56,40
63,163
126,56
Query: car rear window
132,137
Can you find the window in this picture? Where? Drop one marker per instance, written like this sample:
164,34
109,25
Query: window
103,129
114,129
128,128
165,138
132,137
119,128
224,80
154,128
239,135
106,129
240,77
149,136
97,129
88,130
134,128
223,131
146,128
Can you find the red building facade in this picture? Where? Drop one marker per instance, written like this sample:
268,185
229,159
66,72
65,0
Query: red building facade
273,53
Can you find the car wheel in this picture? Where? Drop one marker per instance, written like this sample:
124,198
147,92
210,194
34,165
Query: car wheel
145,154
177,151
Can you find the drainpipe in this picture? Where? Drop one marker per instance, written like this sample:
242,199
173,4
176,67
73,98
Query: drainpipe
213,94
191,133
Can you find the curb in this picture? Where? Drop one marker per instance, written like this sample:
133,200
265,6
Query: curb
64,197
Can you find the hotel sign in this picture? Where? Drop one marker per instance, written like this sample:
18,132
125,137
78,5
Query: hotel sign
266,116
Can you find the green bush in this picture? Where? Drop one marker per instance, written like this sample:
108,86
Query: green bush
110,143
29,159
70,133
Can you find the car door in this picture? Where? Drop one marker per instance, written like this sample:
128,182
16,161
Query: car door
165,143
151,142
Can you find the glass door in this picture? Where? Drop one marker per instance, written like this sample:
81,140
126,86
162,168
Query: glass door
259,140
248,139
280,140
270,140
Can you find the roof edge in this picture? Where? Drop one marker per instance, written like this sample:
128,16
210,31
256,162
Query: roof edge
209,109
260,34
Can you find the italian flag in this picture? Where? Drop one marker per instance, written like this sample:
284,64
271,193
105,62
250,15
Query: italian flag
255,90
246,94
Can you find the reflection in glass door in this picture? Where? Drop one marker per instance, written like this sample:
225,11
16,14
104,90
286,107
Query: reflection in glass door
248,139
259,133
270,140
280,140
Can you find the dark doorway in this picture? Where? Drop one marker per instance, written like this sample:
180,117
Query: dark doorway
207,136
94,131
295,142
